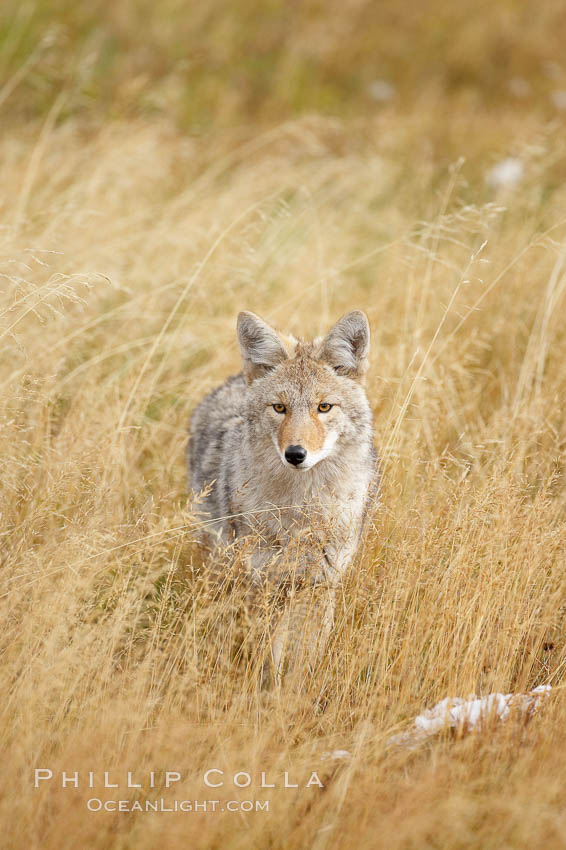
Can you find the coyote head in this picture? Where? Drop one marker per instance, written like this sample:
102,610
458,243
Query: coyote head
306,399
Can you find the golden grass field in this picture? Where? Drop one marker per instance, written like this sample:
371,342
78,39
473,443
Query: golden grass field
127,247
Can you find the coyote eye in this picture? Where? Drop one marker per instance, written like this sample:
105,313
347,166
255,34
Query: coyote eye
279,408
324,407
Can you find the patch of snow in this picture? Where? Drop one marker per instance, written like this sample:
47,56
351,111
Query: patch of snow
519,87
559,99
337,755
381,90
473,714
506,174
553,70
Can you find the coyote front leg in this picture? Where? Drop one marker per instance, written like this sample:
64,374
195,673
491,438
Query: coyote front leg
302,631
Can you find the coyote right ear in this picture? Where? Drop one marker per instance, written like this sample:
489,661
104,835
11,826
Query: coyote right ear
260,346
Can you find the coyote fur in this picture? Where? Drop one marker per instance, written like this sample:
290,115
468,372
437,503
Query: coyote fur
284,455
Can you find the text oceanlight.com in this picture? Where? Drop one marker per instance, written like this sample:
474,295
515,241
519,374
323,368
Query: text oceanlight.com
95,804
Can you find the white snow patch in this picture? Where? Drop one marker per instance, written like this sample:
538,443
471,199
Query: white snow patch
381,90
559,99
337,755
473,714
519,87
506,174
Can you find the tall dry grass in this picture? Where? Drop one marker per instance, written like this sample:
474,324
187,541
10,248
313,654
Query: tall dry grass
221,64
125,254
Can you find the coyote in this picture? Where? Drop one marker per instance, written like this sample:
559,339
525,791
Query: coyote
284,455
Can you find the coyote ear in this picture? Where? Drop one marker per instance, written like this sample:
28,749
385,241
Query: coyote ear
346,345
260,346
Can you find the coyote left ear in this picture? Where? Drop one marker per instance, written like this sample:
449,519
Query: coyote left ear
346,345
260,346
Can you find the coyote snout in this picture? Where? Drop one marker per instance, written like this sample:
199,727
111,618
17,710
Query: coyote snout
295,455
299,457
286,451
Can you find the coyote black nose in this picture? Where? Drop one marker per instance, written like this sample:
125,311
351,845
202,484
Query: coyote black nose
295,454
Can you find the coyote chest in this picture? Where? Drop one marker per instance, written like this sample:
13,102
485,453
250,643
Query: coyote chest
284,506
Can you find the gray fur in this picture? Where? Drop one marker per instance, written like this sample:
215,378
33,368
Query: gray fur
298,525
260,346
232,444
346,347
